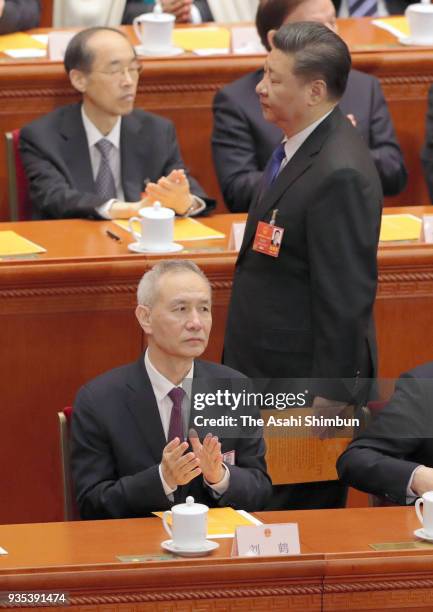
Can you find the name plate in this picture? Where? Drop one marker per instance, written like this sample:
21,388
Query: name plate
57,43
281,539
236,236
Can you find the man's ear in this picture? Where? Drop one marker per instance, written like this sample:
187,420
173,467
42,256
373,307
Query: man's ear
318,92
78,80
270,36
143,314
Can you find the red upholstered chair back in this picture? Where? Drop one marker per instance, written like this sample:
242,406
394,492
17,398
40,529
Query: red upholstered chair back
70,508
19,201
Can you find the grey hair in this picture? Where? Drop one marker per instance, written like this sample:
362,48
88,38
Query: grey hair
319,53
148,286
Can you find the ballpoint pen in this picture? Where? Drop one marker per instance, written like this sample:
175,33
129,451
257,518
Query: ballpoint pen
113,236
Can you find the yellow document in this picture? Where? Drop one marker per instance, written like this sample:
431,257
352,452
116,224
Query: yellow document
14,244
398,26
191,39
222,522
184,229
400,227
20,40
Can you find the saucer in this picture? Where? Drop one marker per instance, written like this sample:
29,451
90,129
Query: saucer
163,52
137,247
200,551
408,41
420,533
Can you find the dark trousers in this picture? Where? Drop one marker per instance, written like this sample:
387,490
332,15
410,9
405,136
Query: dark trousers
308,496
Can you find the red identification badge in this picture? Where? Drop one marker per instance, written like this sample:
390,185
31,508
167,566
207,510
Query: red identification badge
268,239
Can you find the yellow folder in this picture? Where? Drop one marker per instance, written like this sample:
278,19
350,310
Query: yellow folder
398,26
223,521
400,227
191,39
184,229
20,40
12,243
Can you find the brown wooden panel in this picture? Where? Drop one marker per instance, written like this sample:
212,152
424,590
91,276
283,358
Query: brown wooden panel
47,13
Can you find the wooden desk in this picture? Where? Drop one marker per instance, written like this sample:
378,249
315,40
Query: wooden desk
337,570
183,88
67,316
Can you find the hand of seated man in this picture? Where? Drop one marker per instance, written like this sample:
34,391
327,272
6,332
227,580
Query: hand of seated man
124,210
180,8
178,468
422,480
209,454
172,191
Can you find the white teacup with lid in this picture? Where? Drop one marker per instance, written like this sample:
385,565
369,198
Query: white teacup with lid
426,516
420,19
154,31
189,525
157,230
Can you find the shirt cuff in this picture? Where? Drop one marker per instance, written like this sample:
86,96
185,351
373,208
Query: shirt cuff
104,209
411,496
167,490
219,488
198,205
195,15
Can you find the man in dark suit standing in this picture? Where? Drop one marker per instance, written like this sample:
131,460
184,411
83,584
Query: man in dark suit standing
95,159
129,454
306,312
195,11
243,140
17,15
393,457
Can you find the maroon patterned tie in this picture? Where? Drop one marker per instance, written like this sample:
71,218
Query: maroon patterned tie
176,425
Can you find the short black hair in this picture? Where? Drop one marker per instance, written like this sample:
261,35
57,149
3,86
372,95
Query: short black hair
78,56
271,15
318,53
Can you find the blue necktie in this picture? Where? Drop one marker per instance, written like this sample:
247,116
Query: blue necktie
273,166
104,182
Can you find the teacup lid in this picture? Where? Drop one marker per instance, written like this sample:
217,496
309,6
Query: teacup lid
190,507
424,7
157,211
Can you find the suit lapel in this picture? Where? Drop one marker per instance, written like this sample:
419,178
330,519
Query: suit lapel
75,149
133,151
142,405
295,168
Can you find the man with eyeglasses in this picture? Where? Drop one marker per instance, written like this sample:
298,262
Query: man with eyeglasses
96,158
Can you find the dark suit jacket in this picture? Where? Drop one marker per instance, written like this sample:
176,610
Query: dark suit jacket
243,140
308,312
56,159
381,460
132,9
427,151
20,15
117,444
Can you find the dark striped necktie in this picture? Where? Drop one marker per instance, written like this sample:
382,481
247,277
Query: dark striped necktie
362,8
104,182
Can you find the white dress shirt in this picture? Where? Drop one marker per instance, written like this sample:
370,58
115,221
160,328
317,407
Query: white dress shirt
292,144
161,388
